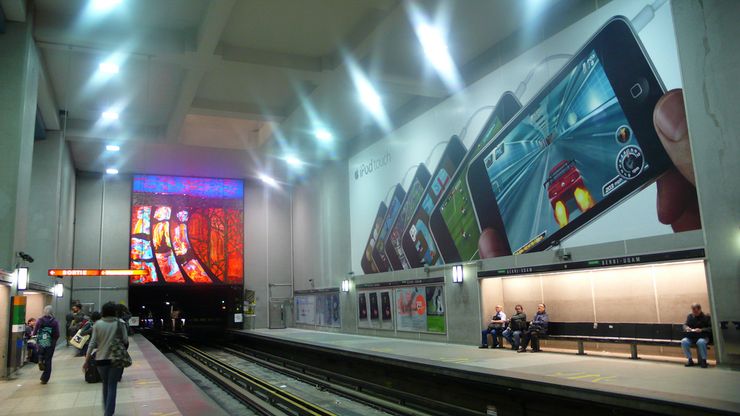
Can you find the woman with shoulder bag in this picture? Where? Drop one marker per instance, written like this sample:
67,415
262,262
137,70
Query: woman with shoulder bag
108,342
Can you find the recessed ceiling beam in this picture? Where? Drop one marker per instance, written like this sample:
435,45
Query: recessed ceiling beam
235,110
217,15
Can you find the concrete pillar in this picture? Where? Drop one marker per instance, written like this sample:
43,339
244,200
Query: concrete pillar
19,75
707,36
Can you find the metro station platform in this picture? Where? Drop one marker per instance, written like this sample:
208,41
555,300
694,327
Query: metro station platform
640,385
151,386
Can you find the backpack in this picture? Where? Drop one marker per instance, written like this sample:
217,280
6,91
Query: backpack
44,337
120,358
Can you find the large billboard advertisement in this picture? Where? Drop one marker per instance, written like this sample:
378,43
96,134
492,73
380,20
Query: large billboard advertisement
556,147
187,230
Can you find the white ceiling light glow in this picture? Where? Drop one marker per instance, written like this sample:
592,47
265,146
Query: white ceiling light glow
103,5
110,115
269,180
111,171
293,161
324,135
435,48
108,68
368,96
112,148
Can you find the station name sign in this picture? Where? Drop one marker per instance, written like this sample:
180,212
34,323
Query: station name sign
410,282
607,262
96,272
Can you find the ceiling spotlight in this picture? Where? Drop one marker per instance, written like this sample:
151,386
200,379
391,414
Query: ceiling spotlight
111,171
268,180
324,135
105,4
108,68
293,161
433,43
110,115
112,148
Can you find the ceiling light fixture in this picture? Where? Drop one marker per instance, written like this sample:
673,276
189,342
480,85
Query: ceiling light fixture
293,161
111,171
269,180
112,148
105,4
324,135
108,68
368,96
110,115
433,43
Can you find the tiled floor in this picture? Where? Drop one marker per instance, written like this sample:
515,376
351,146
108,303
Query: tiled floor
665,381
141,391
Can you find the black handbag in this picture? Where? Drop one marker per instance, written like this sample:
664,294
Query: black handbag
91,374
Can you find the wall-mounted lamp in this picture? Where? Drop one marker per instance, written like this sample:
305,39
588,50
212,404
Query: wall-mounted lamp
21,278
345,285
457,274
59,290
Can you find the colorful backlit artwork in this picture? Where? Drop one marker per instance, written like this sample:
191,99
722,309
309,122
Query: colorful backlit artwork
187,230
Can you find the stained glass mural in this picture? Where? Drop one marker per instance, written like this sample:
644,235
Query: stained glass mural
187,230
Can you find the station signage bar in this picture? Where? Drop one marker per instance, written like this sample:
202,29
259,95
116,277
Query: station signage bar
96,272
411,282
606,262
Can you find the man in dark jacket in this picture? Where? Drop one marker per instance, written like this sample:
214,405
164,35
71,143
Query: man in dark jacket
517,325
537,328
47,333
697,329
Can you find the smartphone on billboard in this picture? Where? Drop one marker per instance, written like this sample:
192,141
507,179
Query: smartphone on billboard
393,248
417,240
368,264
453,224
582,145
394,207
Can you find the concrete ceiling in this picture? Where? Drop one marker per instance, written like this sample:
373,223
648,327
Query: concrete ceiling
233,82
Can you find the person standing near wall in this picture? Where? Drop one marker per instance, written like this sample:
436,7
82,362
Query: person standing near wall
47,334
108,335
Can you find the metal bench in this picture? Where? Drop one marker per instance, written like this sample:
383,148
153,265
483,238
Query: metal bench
618,333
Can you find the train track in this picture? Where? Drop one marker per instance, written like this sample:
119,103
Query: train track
222,366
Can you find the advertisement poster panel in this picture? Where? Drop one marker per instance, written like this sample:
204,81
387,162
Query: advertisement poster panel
555,147
320,309
435,309
377,312
305,309
411,309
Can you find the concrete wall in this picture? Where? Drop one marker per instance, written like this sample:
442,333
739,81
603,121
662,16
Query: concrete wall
706,34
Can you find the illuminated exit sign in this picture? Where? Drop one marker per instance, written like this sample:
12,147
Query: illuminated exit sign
96,272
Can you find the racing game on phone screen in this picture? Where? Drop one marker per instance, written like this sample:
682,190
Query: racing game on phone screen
573,149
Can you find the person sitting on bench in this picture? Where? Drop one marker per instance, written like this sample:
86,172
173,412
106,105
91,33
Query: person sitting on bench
517,325
698,329
495,328
537,328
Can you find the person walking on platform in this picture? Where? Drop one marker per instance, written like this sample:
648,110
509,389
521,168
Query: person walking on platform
517,325
698,330
537,328
109,337
495,328
47,334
